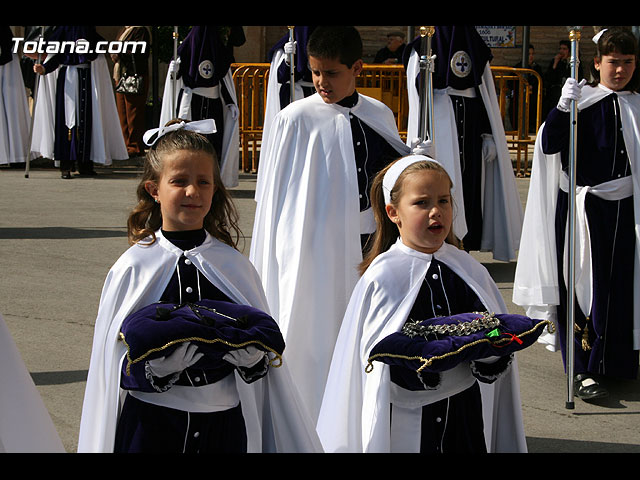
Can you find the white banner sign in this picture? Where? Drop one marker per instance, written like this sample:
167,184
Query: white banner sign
498,37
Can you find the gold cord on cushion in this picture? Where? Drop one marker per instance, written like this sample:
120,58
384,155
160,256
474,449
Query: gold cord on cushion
272,361
427,362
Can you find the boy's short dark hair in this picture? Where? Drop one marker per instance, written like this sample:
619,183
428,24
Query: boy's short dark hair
619,40
336,42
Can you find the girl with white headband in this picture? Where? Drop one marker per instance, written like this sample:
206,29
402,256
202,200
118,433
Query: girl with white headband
184,233
415,268
607,247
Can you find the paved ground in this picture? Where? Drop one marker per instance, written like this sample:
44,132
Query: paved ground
58,239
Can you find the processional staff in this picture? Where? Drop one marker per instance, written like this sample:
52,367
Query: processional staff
425,125
292,68
33,114
574,37
174,74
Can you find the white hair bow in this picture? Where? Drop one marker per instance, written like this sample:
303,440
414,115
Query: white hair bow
205,126
597,36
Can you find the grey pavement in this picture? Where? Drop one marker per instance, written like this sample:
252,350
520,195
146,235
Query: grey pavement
59,238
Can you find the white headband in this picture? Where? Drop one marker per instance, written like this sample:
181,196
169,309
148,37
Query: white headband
391,177
205,126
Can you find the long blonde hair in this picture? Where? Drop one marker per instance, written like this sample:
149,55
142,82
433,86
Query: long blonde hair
146,218
386,232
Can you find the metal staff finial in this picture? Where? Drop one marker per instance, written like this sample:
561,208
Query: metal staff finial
574,37
292,68
425,125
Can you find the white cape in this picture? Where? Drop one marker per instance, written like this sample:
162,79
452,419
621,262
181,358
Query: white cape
306,235
272,106
536,281
273,413
502,209
15,118
25,423
229,163
356,405
107,141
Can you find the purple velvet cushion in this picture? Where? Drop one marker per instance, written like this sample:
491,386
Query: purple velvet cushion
215,326
441,343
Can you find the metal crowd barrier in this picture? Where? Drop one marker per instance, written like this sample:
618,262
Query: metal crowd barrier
520,98
388,83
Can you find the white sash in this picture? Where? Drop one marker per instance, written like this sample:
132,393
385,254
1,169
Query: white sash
71,85
612,190
184,111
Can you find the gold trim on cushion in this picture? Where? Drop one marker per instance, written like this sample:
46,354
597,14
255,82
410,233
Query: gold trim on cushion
131,361
426,362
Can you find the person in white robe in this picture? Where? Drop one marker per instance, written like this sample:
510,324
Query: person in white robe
486,192
14,107
363,409
306,243
607,243
274,416
54,122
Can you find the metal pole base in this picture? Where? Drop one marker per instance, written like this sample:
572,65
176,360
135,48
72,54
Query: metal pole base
569,405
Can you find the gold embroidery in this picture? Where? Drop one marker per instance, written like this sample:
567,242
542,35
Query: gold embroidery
131,361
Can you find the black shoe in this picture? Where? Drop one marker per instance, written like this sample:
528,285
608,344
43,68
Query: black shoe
66,175
587,388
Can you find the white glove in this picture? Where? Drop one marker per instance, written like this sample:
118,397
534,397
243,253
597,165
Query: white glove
173,67
233,108
290,47
244,357
426,148
489,151
183,357
571,90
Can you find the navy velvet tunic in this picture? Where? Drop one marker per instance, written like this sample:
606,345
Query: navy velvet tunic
73,147
206,54
372,153
601,156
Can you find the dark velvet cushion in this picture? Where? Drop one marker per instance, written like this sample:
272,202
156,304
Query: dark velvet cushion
217,327
441,343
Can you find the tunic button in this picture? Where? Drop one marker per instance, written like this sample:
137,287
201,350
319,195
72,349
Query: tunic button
434,276
189,289
196,434
187,262
197,379
438,419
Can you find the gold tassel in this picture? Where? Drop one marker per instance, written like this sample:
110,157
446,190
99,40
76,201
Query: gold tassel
69,134
585,335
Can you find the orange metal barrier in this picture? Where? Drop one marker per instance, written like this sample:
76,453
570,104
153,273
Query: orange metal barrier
388,83
516,88
250,80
